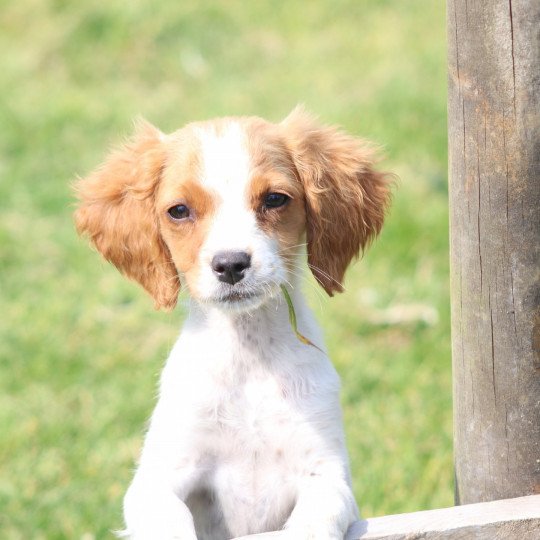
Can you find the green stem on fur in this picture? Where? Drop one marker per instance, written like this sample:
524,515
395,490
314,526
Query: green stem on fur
292,319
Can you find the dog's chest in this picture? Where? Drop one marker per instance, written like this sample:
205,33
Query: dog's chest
254,461
246,392
253,440
253,415
253,409
245,383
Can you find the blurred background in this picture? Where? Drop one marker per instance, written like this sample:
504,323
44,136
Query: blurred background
81,348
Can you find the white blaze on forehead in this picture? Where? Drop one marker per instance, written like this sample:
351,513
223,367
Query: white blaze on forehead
225,171
225,159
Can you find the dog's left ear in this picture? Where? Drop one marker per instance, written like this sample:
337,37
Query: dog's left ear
117,213
346,198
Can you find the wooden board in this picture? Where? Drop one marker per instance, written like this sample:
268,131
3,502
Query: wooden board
508,519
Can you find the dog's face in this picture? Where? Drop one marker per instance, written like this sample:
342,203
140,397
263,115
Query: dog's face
224,206
230,211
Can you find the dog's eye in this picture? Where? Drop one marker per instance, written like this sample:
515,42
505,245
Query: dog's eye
275,200
179,211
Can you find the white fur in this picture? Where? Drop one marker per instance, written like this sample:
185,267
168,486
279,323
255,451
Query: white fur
247,434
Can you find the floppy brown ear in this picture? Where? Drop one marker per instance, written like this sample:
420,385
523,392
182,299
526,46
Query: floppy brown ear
346,198
116,212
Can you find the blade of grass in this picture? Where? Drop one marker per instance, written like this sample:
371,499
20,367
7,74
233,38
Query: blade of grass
293,321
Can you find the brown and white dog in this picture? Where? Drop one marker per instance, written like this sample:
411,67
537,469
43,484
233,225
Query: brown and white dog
247,434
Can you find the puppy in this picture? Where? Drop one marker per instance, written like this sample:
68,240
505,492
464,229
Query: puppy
247,434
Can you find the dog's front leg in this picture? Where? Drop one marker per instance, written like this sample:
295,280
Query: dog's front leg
153,510
325,505
324,510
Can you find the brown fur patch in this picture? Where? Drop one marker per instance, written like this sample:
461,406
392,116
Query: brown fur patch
346,198
117,213
185,238
180,185
274,172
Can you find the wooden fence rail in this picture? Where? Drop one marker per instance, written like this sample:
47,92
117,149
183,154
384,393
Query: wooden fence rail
505,520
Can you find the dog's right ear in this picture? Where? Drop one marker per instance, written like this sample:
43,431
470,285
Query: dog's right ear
117,213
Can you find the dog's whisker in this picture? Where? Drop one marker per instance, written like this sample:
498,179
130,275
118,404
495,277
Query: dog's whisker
288,248
304,279
326,275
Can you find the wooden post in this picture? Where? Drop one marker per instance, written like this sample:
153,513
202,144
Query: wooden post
494,151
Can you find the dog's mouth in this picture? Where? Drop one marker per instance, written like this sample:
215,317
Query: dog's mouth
241,297
235,296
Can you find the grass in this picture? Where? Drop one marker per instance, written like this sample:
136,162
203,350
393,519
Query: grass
81,348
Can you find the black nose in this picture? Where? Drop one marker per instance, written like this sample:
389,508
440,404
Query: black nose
230,266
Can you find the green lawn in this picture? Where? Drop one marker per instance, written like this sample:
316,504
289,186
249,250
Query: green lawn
81,348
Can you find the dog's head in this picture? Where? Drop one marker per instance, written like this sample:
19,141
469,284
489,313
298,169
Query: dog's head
226,205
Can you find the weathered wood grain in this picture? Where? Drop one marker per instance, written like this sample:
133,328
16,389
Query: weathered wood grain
510,519
494,152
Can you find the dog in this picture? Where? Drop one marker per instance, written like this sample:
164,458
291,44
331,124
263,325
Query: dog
247,434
